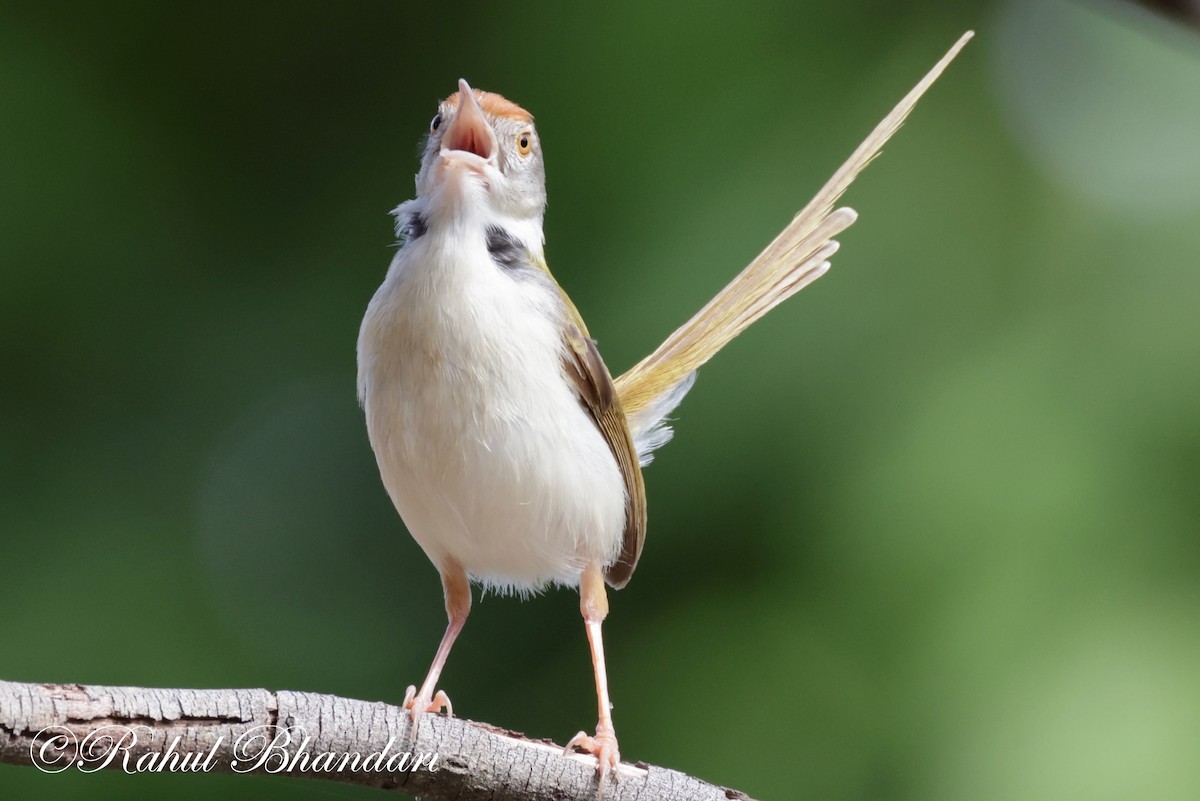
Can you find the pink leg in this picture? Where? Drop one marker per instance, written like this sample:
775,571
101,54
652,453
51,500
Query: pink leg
593,603
458,605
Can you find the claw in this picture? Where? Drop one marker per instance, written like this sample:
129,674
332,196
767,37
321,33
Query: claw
603,746
418,705
439,703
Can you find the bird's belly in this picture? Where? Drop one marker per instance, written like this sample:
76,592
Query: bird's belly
489,457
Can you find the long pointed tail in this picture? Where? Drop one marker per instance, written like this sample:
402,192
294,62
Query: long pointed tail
798,256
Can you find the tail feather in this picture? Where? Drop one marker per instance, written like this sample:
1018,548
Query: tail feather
796,257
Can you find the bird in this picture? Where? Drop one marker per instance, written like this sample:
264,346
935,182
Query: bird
510,452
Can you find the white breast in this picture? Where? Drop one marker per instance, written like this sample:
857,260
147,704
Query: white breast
482,444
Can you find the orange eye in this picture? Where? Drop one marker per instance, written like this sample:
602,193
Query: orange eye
524,143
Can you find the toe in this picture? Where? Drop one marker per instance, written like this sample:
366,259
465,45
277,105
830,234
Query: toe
441,702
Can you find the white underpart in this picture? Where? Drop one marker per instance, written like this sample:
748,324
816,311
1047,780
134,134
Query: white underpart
482,444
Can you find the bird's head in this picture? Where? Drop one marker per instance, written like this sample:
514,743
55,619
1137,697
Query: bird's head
483,156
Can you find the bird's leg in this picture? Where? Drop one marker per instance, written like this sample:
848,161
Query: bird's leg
458,605
593,603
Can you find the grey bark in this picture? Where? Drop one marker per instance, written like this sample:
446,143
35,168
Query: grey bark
58,727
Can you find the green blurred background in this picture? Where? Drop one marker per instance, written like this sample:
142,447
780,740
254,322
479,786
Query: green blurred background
928,532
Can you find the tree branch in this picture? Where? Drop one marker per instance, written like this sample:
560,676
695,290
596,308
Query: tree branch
58,727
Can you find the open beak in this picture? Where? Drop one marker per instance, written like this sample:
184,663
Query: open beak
469,138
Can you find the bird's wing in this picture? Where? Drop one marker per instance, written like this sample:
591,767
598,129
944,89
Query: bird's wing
591,379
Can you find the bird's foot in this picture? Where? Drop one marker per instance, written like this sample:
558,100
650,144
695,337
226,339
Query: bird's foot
418,705
603,746
438,703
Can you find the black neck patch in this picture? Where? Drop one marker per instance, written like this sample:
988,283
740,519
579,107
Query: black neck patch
506,250
416,227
